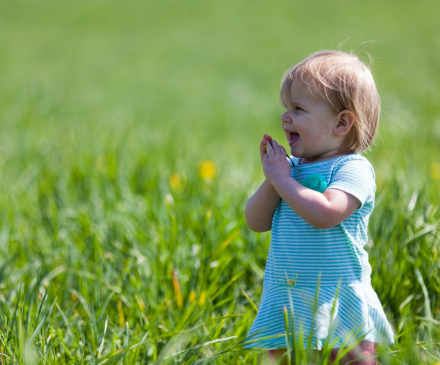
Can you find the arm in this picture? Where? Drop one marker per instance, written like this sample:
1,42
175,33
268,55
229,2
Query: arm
321,210
261,206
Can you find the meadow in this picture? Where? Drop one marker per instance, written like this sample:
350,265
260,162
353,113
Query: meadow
129,136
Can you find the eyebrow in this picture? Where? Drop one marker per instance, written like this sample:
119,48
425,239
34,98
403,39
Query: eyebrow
299,102
288,96
291,101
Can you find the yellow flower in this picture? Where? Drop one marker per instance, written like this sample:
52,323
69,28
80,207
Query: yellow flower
291,281
192,296
121,313
74,296
435,170
141,304
176,182
177,291
202,298
207,170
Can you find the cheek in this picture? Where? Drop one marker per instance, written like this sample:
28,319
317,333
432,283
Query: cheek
322,128
316,135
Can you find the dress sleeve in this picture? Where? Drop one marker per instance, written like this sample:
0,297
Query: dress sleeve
357,178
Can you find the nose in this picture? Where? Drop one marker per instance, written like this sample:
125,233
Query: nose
285,118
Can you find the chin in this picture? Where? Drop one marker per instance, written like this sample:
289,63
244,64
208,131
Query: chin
292,152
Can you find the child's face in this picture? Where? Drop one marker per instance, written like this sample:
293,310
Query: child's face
309,123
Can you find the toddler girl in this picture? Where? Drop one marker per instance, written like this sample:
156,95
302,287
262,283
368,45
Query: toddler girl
317,205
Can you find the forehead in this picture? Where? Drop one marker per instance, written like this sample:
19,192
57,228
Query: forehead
300,92
308,89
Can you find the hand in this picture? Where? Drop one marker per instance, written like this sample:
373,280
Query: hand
275,164
263,145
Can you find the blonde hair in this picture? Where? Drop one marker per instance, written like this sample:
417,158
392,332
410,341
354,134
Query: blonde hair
346,83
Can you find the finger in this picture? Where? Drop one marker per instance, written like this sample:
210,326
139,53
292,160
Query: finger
269,149
263,143
283,150
268,142
266,139
262,150
276,147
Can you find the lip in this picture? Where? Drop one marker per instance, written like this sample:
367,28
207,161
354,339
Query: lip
293,138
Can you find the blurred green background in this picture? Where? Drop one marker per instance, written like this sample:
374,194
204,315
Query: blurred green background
107,110
155,74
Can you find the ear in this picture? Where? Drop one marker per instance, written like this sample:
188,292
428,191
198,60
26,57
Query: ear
345,121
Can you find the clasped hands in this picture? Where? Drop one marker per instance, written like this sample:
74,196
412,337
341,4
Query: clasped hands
273,157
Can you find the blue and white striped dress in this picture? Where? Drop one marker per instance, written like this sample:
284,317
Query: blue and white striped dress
346,306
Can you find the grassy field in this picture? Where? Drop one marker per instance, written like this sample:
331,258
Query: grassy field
129,137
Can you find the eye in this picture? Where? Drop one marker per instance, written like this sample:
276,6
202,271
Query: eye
298,108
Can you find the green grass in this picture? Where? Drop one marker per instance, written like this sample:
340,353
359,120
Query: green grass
107,110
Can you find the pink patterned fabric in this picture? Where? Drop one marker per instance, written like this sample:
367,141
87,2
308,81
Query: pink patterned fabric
364,349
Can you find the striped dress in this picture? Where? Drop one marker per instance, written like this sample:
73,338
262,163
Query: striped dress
321,277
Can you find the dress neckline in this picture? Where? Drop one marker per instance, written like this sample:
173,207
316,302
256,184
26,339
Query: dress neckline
324,161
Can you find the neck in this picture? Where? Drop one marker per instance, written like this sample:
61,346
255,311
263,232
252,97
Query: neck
304,161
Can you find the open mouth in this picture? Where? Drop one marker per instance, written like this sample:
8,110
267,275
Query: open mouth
293,137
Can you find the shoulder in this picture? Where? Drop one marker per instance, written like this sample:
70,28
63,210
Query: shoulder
354,174
354,157
356,164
